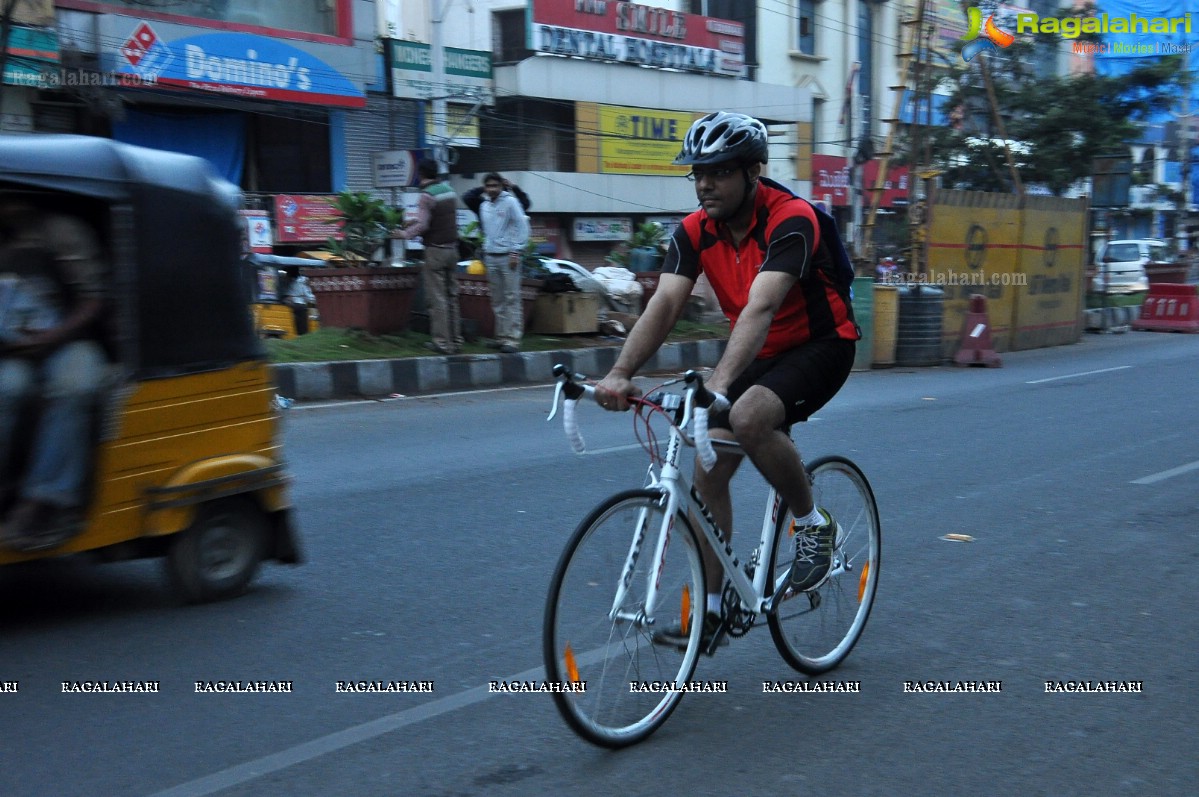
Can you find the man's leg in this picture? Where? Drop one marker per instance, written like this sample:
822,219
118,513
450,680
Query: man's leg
497,271
513,328
757,419
433,274
449,288
63,442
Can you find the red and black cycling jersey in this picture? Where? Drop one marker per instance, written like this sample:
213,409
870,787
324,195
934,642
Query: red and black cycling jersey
783,236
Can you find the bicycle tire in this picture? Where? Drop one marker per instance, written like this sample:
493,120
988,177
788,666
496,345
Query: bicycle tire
582,643
815,631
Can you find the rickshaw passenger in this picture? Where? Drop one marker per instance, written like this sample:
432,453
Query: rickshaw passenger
60,367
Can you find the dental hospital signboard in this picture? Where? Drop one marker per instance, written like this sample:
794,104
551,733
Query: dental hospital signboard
234,64
638,35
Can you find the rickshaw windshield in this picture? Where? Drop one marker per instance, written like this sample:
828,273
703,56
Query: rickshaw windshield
172,235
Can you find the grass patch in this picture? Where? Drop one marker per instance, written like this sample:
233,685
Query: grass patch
327,345
1096,300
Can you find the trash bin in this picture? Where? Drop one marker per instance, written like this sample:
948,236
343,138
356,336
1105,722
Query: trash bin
918,339
863,313
886,320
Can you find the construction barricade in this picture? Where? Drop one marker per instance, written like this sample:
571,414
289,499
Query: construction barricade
1170,307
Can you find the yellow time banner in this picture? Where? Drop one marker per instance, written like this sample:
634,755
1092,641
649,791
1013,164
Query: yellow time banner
640,141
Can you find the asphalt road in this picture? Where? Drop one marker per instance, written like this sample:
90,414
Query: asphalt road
432,525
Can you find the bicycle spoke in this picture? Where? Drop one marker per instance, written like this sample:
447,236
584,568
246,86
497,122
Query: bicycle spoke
815,631
608,654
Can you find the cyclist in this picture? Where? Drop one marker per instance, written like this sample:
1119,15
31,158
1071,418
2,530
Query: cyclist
793,334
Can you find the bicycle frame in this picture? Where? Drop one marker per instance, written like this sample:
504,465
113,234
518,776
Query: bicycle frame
678,492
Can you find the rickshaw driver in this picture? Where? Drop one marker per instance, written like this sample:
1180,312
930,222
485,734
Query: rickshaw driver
62,366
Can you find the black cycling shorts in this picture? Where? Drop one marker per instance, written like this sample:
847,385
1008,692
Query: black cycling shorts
804,378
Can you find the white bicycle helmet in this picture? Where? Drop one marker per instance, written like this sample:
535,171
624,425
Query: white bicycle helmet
723,136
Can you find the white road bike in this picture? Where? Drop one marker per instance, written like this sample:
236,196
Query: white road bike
633,568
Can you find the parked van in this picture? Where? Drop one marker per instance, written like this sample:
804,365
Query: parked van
1120,266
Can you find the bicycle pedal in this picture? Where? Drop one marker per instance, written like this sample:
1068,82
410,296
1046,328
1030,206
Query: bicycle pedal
719,639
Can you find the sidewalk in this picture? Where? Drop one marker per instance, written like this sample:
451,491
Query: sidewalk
380,378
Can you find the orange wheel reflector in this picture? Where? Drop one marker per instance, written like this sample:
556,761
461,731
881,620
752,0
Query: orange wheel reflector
685,622
862,579
572,669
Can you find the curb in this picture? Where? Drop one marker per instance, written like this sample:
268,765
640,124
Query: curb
1111,318
415,375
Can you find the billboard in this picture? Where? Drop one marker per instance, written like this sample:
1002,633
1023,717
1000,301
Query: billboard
638,35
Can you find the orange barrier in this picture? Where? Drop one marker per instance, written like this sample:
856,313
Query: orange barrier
1170,307
976,347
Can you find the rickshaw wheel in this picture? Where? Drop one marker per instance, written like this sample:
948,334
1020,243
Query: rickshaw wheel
218,555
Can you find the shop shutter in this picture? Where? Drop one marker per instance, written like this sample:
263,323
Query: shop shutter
385,123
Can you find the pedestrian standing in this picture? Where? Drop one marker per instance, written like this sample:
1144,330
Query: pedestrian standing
505,236
436,223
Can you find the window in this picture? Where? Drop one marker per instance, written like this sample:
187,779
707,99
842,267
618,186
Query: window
306,16
508,37
806,40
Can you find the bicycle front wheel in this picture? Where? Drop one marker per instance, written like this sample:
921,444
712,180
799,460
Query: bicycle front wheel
599,630
814,631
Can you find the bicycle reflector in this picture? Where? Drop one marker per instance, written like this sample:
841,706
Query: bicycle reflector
572,669
686,609
862,579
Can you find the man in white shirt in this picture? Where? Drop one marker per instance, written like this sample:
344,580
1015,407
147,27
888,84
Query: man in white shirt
505,235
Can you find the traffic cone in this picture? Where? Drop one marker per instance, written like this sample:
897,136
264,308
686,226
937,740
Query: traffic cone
976,347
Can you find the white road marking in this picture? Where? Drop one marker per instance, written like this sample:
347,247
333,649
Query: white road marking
338,740
1084,373
1153,478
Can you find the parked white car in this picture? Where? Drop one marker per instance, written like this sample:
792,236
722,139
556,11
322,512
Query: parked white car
1120,265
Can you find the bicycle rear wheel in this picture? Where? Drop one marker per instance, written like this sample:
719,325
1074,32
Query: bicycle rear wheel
598,629
814,631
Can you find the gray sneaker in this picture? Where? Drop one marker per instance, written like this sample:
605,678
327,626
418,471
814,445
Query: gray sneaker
814,547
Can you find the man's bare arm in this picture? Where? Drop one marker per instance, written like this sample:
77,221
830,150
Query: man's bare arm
648,335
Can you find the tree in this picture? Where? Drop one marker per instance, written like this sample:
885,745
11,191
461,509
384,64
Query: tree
1055,126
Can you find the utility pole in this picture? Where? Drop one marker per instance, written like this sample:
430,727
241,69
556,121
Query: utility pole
1184,134
440,149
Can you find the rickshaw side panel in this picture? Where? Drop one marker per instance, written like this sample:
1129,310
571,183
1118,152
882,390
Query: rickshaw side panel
196,419
181,442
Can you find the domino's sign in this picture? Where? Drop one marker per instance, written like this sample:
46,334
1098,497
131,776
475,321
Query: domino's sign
238,64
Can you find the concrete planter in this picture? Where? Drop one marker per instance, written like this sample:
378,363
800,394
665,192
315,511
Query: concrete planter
376,300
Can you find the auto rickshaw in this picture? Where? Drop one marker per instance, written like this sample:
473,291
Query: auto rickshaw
187,458
283,305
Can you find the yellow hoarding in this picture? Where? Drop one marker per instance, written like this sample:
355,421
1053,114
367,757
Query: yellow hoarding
461,126
974,248
1049,302
1026,256
640,140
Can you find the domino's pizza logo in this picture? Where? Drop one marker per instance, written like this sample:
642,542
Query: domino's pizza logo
146,54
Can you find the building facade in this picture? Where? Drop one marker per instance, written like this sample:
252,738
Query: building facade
590,103
287,100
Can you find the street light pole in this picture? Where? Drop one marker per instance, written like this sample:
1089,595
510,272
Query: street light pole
438,104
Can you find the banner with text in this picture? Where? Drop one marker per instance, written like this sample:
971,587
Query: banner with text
631,33
634,140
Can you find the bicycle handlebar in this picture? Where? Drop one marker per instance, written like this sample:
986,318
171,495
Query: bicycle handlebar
698,401
703,400
573,391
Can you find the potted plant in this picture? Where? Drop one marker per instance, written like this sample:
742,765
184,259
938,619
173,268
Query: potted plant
353,292
642,254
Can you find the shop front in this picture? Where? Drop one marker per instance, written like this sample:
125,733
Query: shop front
259,108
